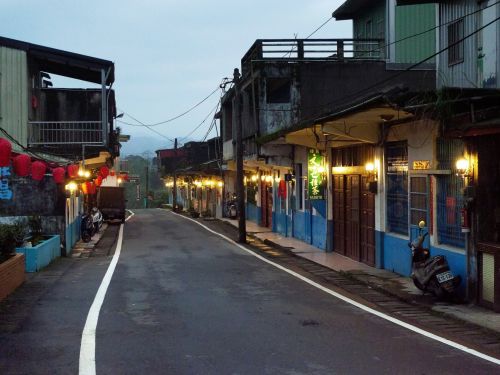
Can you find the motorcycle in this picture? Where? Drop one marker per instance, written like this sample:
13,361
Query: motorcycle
231,209
97,219
87,229
431,274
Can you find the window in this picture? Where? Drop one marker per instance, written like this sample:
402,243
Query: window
397,187
278,90
418,200
449,194
456,35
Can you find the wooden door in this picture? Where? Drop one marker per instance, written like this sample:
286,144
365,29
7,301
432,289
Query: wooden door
339,214
367,224
352,222
269,190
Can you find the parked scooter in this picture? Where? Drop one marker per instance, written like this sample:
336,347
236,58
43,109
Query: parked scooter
87,228
231,208
431,274
96,219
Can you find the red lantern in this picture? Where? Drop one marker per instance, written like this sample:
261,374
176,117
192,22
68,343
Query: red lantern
22,164
98,181
91,188
38,170
5,151
104,171
58,174
85,187
73,170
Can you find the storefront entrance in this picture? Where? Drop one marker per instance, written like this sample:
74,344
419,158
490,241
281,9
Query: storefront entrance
487,220
266,191
354,218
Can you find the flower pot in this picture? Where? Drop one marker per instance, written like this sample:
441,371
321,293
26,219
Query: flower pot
11,274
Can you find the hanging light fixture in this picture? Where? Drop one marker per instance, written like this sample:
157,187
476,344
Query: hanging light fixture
73,170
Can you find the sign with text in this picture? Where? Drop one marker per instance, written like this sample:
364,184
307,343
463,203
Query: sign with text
421,164
316,175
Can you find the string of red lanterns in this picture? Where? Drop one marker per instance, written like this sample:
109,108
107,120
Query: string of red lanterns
23,166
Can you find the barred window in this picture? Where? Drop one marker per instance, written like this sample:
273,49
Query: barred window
449,194
456,35
397,187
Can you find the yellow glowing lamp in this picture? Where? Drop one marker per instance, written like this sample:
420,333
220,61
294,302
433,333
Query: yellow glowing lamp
462,166
119,180
71,186
370,167
254,178
220,183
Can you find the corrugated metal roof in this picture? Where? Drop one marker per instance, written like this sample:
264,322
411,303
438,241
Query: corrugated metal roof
68,64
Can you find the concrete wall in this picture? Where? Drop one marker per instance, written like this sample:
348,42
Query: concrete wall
30,197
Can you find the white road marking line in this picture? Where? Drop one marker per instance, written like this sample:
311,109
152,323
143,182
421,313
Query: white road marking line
87,346
131,214
357,304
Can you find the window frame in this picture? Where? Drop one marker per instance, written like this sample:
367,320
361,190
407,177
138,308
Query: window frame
455,33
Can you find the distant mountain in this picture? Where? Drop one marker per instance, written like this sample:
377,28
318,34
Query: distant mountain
140,144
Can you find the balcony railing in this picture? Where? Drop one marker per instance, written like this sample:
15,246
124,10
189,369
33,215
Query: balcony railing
65,133
314,49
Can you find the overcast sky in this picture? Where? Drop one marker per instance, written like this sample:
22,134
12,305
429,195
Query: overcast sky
168,54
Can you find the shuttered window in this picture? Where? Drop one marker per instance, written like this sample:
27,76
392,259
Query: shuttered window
455,42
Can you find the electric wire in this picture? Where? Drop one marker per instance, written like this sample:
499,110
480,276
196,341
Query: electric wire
428,30
310,35
385,80
179,115
201,123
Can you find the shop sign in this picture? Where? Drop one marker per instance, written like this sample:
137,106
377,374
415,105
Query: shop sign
5,191
316,175
421,164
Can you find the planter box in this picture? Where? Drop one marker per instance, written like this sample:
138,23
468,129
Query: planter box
41,255
11,275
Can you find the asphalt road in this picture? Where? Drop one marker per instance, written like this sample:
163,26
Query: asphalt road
183,301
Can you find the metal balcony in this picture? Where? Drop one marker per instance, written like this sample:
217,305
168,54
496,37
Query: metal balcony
66,133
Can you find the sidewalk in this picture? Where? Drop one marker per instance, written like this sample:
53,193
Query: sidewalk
395,284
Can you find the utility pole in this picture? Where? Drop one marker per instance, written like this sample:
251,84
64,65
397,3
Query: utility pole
146,195
174,191
240,188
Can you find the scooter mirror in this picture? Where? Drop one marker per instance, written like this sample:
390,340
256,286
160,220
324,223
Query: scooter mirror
421,224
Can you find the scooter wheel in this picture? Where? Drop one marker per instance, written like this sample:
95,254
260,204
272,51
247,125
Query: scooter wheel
86,237
437,290
418,285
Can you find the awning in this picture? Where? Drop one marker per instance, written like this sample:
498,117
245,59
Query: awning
359,124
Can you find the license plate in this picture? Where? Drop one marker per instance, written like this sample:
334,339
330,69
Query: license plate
444,277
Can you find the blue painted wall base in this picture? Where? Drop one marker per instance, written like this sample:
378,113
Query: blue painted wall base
39,256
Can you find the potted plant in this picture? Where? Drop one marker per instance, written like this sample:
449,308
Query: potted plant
11,264
39,250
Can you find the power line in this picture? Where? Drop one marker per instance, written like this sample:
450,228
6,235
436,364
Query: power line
426,31
394,76
201,123
175,117
146,126
310,35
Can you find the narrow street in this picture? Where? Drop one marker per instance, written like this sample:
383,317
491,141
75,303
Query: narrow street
184,301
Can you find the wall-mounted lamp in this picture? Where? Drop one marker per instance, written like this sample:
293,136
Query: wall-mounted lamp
462,167
371,171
